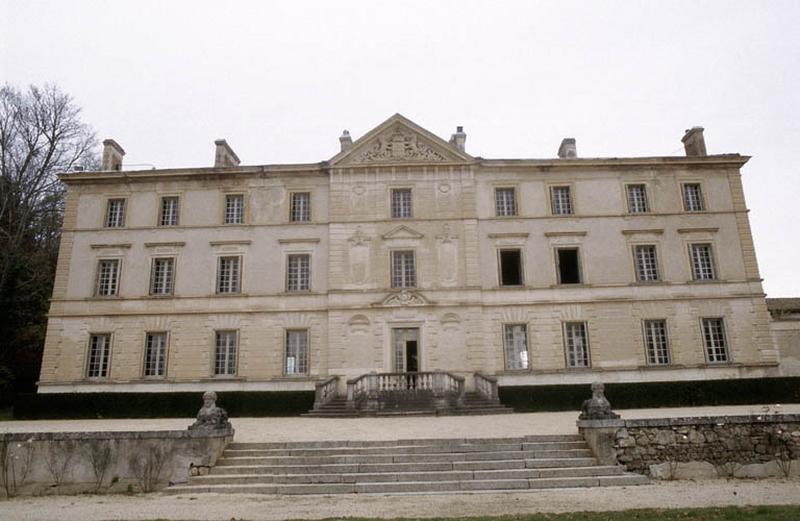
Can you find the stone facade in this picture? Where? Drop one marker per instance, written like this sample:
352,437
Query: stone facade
401,196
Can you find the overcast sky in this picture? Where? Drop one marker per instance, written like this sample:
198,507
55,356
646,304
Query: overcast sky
281,80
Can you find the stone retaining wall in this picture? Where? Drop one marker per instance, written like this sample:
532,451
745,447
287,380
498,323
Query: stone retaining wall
727,446
76,462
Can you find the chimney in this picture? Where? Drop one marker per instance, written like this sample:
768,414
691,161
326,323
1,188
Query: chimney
345,140
112,155
224,155
459,138
568,148
693,142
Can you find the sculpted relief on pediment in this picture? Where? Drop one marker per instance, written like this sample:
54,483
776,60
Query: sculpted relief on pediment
399,144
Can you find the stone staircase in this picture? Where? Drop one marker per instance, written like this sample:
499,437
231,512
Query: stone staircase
473,403
407,466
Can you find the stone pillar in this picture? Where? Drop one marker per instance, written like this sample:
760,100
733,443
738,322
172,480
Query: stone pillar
373,399
459,139
345,141
439,395
601,435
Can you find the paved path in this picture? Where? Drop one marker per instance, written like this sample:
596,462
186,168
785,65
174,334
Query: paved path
673,494
315,429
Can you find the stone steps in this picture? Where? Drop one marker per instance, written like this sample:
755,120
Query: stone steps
473,404
406,466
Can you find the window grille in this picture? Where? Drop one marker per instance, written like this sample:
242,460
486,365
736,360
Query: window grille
646,263
702,262
656,342
225,356
637,199
107,278
576,344
228,275
693,197
298,273
234,209
296,352
401,203
162,276
168,212
561,200
99,352
515,343
155,355
115,215
505,202
714,340
403,270
300,207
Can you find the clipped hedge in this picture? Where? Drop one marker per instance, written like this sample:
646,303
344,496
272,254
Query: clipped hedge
751,391
158,405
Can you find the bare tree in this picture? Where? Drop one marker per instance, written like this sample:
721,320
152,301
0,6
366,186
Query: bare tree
41,135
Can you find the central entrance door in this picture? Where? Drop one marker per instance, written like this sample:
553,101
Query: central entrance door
405,358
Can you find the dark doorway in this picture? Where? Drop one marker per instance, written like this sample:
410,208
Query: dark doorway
412,360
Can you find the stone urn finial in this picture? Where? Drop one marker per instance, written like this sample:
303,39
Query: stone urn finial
597,407
210,418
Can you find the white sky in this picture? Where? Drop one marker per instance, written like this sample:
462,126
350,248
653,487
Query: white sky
280,80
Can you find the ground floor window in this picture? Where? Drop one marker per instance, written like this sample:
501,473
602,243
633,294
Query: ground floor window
656,342
297,351
155,354
714,340
225,356
99,354
515,344
576,344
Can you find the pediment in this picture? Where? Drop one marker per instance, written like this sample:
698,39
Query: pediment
399,140
402,232
404,298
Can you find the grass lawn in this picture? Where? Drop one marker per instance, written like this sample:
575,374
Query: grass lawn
759,513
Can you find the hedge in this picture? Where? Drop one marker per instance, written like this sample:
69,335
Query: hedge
751,391
158,405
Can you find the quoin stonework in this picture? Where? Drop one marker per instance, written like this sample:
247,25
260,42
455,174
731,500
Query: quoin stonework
404,253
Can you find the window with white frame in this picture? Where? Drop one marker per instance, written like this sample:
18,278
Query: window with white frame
646,260
225,353
298,272
714,340
404,273
515,345
168,211
107,284
693,197
702,262
637,198
228,274
561,200
656,342
155,354
300,211
505,203
576,344
296,351
234,209
99,354
401,203
115,213
162,276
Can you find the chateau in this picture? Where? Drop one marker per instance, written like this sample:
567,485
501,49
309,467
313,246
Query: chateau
401,254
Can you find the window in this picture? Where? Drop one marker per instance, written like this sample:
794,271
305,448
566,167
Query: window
168,211
515,345
693,197
107,278
646,261
714,340
298,272
99,353
569,271
297,351
234,209
505,203
576,344
228,275
300,211
155,354
656,343
225,356
162,276
403,272
702,262
637,199
115,213
401,203
560,200
510,268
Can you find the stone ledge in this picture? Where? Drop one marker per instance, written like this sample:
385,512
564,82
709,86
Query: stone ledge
706,420
115,435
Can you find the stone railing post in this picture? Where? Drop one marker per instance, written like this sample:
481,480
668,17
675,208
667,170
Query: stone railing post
462,391
439,388
598,425
373,399
351,389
